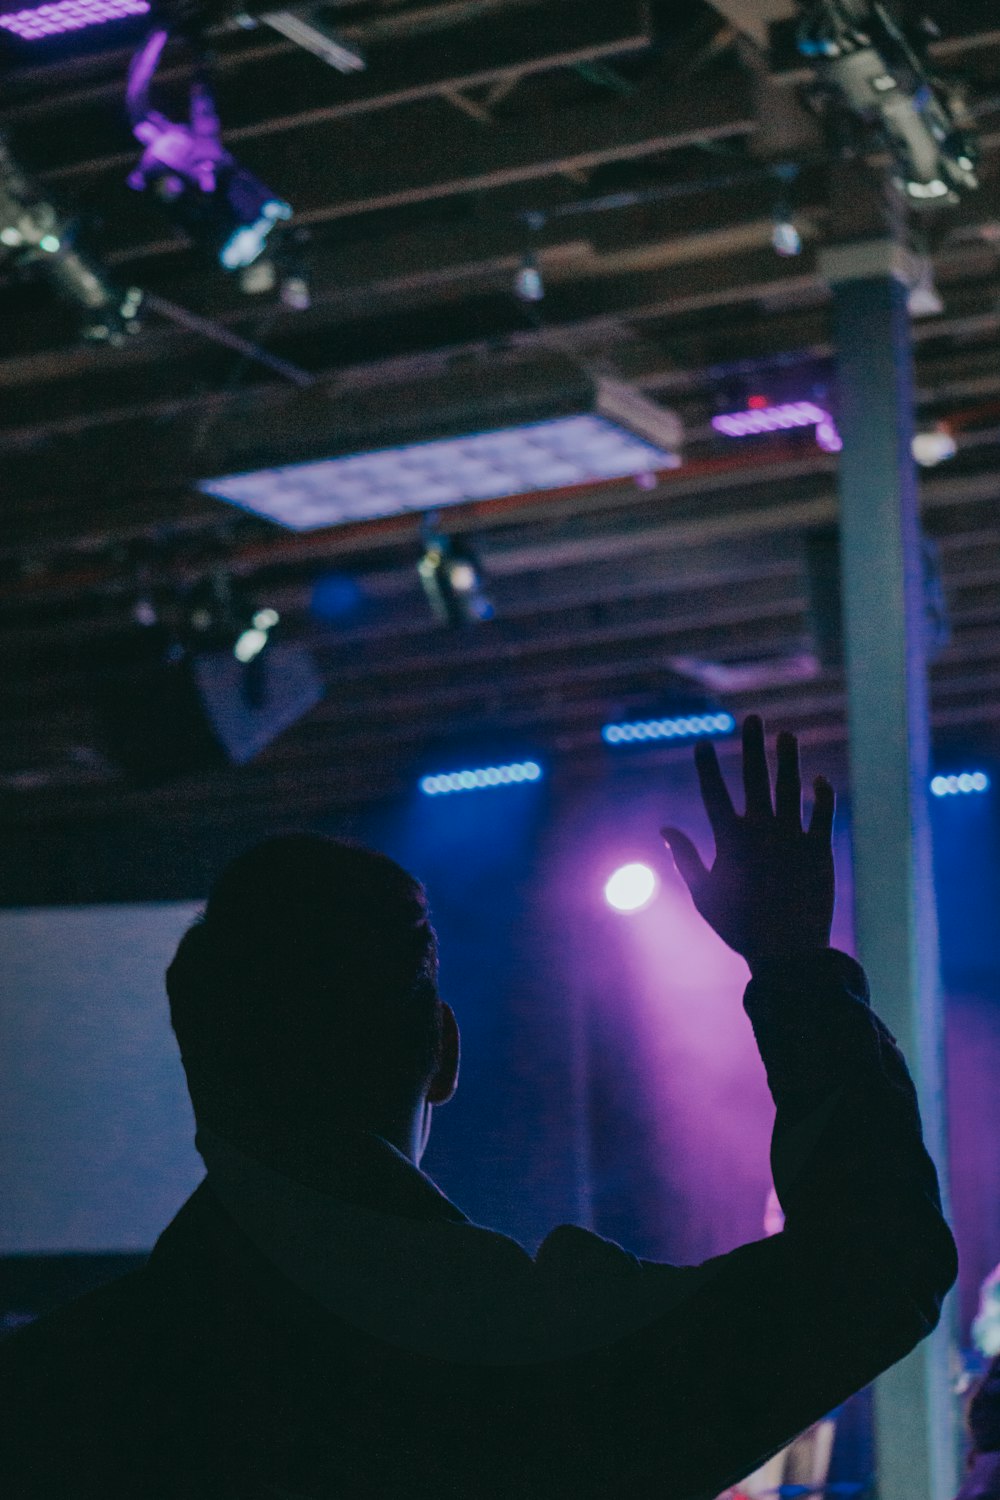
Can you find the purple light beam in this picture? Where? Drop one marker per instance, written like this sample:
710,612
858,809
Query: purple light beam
68,15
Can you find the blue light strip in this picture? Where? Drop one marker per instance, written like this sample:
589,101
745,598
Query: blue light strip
954,786
688,727
480,780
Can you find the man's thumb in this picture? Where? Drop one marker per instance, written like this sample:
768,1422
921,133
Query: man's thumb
686,857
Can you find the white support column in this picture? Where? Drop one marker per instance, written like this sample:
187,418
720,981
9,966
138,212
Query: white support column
885,655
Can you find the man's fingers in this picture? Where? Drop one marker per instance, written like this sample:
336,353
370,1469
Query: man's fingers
788,785
821,822
756,776
686,858
714,792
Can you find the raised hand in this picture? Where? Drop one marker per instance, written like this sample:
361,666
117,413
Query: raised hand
770,892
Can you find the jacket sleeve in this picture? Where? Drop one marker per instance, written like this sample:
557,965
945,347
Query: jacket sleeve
746,1350
984,1411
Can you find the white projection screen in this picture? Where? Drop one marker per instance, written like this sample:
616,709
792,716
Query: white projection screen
96,1129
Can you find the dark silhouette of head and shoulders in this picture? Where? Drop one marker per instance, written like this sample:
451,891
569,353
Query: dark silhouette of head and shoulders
305,1004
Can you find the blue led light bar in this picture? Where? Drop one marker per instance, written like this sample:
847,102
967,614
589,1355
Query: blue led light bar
686,727
954,786
480,780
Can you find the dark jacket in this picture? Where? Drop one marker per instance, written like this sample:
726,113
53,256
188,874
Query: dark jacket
984,1411
208,1375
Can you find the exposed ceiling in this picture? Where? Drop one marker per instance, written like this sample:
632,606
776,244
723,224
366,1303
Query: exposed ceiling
643,137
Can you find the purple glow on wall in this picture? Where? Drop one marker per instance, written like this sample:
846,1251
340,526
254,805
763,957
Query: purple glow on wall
708,1098
69,15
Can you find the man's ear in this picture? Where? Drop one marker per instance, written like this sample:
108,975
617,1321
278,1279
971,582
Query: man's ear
445,1081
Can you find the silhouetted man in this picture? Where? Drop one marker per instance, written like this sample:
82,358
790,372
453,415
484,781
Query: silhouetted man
319,1320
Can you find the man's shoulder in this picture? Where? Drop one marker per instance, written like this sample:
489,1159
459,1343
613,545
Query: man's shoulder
569,1246
73,1335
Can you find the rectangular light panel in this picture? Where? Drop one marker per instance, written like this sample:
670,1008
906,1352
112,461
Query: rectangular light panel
68,15
450,471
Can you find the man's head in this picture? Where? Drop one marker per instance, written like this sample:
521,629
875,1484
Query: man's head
305,998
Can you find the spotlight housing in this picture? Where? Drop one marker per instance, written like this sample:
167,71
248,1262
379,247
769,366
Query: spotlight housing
35,238
221,205
878,70
453,582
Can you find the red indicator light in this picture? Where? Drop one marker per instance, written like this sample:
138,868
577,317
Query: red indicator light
758,403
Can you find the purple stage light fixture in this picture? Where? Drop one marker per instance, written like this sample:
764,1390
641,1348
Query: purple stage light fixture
216,201
481,780
956,786
681,727
630,888
62,16
783,417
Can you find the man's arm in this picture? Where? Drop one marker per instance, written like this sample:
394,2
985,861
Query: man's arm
752,1347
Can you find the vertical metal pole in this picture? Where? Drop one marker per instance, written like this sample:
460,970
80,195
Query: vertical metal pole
916,1437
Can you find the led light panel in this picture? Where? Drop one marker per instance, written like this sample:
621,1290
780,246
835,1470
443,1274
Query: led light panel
69,15
953,786
426,476
688,727
478,781
771,419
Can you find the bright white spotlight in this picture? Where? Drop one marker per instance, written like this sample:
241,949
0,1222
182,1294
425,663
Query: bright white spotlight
249,645
630,888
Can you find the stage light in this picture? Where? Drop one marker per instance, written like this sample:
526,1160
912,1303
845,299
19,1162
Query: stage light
453,582
827,436
528,283
867,58
483,779
681,727
585,432
761,417
35,238
630,888
217,202
960,785
780,418
62,16
934,446
786,238
252,641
